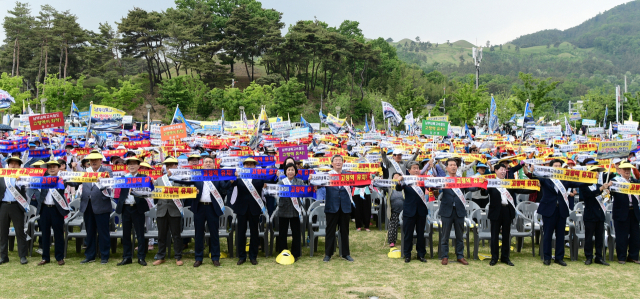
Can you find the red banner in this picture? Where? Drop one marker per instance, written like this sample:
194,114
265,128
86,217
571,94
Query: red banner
46,121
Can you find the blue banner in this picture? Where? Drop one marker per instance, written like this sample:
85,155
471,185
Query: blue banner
202,175
41,154
133,182
263,161
303,174
258,173
42,182
292,190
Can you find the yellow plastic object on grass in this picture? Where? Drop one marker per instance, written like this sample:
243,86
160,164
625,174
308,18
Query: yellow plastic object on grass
394,253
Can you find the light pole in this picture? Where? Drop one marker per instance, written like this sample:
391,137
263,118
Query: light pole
241,112
338,111
477,58
148,117
42,103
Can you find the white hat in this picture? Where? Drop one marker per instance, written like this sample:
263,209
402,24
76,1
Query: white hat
616,160
397,152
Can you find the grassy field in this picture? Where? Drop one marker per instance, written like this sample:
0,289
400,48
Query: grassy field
372,274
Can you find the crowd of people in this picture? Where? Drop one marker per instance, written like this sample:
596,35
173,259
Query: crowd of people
344,170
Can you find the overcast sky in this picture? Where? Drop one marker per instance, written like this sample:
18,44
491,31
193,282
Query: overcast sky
498,21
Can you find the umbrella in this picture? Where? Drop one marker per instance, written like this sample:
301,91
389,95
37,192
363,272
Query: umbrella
5,128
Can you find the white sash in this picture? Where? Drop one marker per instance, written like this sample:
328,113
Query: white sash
507,195
420,193
458,192
211,188
294,200
61,201
177,202
396,166
254,193
23,202
560,188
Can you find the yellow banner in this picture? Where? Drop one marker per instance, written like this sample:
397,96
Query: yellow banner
563,174
106,113
626,188
165,192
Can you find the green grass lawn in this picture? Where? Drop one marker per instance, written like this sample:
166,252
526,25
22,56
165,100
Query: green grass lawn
372,274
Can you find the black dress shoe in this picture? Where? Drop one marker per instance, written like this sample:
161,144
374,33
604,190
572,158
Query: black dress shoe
23,260
216,263
407,259
326,258
86,261
4,261
142,262
508,262
601,262
561,263
422,259
197,264
125,262
348,258
254,262
493,263
588,262
547,262
104,262
240,262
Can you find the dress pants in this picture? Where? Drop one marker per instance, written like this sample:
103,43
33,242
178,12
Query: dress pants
409,225
168,224
552,224
12,212
97,224
271,204
593,228
50,218
131,217
627,235
458,226
502,224
206,214
241,237
362,211
333,219
296,237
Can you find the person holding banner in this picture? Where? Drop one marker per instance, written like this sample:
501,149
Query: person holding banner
594,217
95,204
12,209
502,211
625,214
452,212
132,207
207,208
414,217
52,208
554,208
290,212
248,206
396,165
169,218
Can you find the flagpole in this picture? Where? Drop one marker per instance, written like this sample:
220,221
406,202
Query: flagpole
89,124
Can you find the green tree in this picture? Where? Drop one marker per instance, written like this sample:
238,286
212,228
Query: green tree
468,102
290,98
174,92
60,92
17,27
122,97
535,90
12,84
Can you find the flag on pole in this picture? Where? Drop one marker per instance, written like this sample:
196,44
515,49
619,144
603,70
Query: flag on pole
75,112
323,117
493,118
222,122
528,114
366,125
306,124
373,123
606,113
391,113
567,127
178,118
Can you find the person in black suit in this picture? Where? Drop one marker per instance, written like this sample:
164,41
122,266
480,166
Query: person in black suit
132,208
414,216
554,211
625,214
52,209
12,211
501,213
95,204
452,212
248,208
207,209
593,217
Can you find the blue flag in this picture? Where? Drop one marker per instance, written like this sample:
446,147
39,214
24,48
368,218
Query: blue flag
493,118
606,112
323,117
528,114
366,125
75,112
179,118
305,124
222,122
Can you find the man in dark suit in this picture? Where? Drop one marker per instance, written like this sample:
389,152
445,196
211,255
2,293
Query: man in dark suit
52,209
414,216
12,210
501,213
95,204
248,208
338,211
625,214
132,208
554,210
206,208
452,212
593,217
169,218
